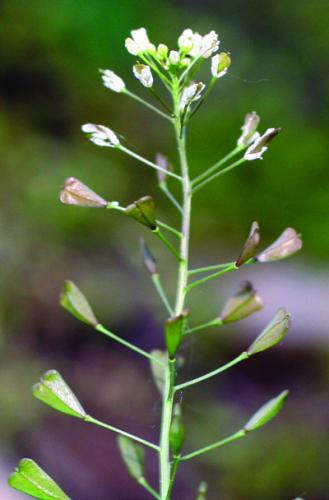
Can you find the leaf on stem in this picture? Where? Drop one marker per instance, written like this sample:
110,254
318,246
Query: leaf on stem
54,391
133,456
288,243
75,302
274,333
158,370
243,303
174,331
266,412
177,430
29,478
250,246
143,210
202,491
77,193
148,259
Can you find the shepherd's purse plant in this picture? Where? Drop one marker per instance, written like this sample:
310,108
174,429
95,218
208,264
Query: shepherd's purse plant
176,70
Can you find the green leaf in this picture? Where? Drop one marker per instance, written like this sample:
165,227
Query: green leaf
274,332
29,478
143,210
250,246
202,491
133,456
177,430
158,370
288,243
174,330
243,303
75,302
53,391
266,412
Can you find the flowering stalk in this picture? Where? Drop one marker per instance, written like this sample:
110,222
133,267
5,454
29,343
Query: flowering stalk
175,69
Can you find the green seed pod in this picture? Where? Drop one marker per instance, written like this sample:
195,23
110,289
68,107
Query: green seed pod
177,430
174,331
133,456
243,303
30,479
143,210
288,243
274,332
54,391
75,302
268,411
250,246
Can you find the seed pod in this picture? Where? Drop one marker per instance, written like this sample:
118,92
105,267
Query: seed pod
54,391
133,456
30,479
288,243
174,331
143,210
249,130
250,246
242,304
77,193
259,146
274,333
177,430
75,302
268,411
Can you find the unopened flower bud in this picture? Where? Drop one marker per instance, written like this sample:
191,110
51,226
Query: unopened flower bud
162,51
174,57
242,304
249,130
177,430
191,93
54,391
112,81
73,300
101,135
259,146
186,41
143,73
133,456
148,259
143,210
138,43
250,246
77,193
174,330
288,243
268,411
210,44
273,334
220,64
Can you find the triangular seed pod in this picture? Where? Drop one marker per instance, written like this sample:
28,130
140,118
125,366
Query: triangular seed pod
177,430
243,303
73,300
143,210
174,331
288,243
250,246
274,332
133,456
268,411
77,193
54,391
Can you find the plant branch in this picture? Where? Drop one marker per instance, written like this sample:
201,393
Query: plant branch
209,268
148,162
218,164
221,172
143,482
167,243
170,196
170,229
231,267
214,322
157,283
147,104
210,447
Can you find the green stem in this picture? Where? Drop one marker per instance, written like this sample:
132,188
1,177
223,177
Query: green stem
157,283
208,375
174,468
169,245
160,100
210,447
221,172
143,482
170,229
100,328
209,268
170,196
214,322
218,164
231,267
93,420
147,104
148,162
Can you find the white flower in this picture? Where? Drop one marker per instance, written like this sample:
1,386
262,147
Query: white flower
191,93
174,57
138,43
258,148
112,81
249,134
197,44
220,64
143,73
209,44
186,40
100,135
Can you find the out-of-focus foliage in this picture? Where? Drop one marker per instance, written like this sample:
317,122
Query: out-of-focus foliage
50,85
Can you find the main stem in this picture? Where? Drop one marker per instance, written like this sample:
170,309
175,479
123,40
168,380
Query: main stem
168,396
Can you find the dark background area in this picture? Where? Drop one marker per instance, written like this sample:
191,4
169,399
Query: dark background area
50,85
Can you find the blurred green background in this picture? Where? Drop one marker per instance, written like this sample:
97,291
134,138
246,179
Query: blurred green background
50,85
